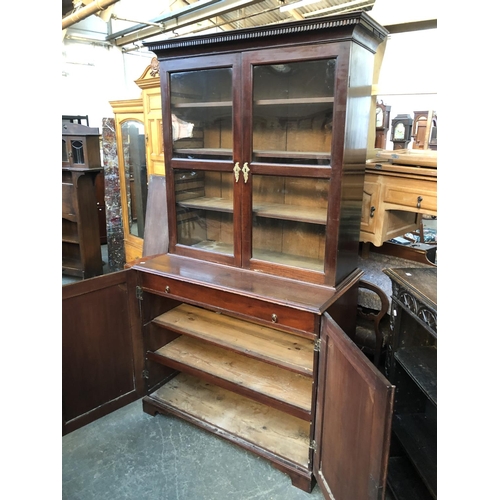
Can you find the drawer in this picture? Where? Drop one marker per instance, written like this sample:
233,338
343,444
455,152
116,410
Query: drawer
410,198
300,322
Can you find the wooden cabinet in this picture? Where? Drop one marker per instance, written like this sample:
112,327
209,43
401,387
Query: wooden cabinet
412,367
81,165
238,353
81,244
243,327
394,199
80,146
265,146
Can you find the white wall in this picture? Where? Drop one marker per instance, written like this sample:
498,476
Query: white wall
94,74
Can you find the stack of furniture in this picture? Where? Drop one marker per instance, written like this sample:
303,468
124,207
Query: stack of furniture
244,327
81,164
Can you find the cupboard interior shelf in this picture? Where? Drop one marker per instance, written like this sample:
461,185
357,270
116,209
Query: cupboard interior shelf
236,372
260,342
243,357
236,417
311,215
421,364
420,442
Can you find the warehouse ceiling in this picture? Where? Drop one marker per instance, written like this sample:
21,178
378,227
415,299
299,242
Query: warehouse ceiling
129,22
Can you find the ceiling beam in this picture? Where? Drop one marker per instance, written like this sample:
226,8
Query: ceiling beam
87,11
181,19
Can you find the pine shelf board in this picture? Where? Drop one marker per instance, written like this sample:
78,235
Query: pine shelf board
256,341
239,371
237,416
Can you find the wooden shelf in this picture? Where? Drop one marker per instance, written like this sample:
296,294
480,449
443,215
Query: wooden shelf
266,344
420,442
205,203
279,388
293,109
270,210
70,239
208,104
291,212
236,418
421,365
294,101
300,155
260,153
204,151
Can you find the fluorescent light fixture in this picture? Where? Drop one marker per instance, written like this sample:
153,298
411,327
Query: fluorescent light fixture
296,5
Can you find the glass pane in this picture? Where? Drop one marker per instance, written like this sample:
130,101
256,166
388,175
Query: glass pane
77,151
292,112
134,157
204,207
289,220
202,117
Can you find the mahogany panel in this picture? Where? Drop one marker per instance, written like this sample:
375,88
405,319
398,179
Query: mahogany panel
102,355
353,420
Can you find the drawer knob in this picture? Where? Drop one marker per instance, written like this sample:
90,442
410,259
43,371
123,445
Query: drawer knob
419,201
372,212
274,318
167,289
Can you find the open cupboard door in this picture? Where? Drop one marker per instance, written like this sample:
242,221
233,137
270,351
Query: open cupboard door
353,420
102,358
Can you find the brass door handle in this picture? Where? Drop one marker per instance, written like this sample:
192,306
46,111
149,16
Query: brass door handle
246,170
237,170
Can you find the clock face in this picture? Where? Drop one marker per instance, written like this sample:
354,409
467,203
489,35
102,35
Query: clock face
399,132
379,118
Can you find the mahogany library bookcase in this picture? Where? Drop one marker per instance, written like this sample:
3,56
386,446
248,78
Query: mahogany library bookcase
243,326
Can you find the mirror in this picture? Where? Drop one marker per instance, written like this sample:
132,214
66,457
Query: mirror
134,157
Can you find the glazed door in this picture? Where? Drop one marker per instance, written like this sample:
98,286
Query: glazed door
102,355
287,151
353,420
202,153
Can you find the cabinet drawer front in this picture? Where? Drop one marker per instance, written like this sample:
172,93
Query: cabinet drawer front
410,198
300,322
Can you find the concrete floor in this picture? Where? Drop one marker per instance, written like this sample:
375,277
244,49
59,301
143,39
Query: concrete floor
132,455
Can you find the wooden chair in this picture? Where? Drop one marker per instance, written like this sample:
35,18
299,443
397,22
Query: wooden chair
369,336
